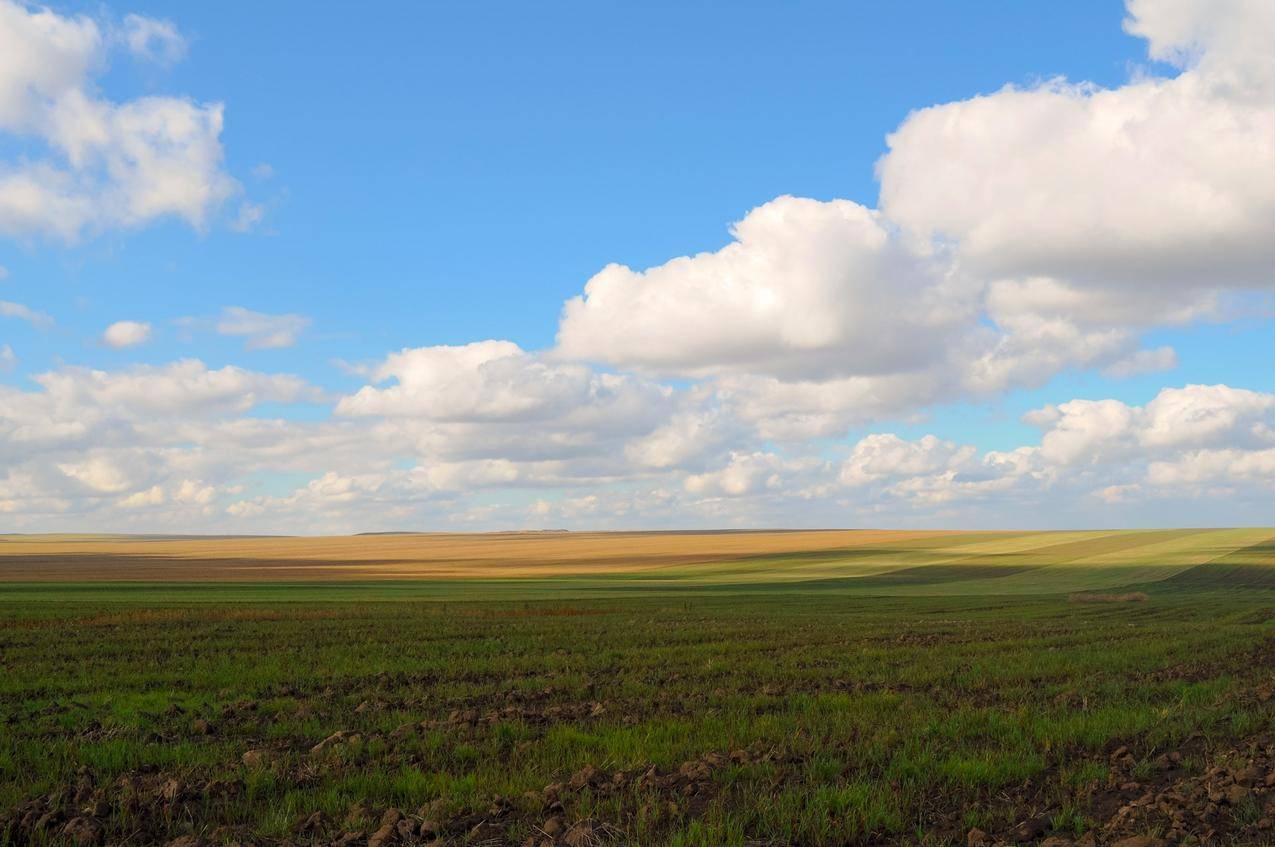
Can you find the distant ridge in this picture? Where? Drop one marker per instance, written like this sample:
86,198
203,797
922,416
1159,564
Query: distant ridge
609,531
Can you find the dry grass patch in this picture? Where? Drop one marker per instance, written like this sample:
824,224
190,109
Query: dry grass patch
537,612
1087,597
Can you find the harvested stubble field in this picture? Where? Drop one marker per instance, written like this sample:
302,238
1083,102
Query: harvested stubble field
640,689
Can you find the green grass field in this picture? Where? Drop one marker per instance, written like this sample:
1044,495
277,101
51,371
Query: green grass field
931,691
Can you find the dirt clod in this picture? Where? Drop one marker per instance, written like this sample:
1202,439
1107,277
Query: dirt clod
1140,841
82,832
384,835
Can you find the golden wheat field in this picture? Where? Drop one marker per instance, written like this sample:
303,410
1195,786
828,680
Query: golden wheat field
408,556
882,561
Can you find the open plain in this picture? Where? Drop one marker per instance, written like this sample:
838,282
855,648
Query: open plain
760,688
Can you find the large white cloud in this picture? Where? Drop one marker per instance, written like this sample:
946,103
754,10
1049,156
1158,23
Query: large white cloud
819,315
1209,416
1162,183
482,381
745,473
45,57
1094,456
180,446
489,416
186,388
491,399
887,456
1021,234
85,440
103,164
806,288
1194,417
1201,442
78,409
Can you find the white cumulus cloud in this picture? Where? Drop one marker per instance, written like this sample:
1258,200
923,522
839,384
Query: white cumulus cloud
1163,184
126,334
803,283
102,164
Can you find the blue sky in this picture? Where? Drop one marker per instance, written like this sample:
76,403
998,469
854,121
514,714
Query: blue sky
438,174
446,172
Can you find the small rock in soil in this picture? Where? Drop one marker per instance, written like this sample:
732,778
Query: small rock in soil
977,838
186,841
1140,841
382,836
580,835
1032,829
82,832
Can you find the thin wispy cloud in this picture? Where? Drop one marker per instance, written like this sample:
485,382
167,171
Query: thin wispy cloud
36,318
153,39
261,331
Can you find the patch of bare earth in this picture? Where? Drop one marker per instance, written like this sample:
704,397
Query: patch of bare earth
1087,597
